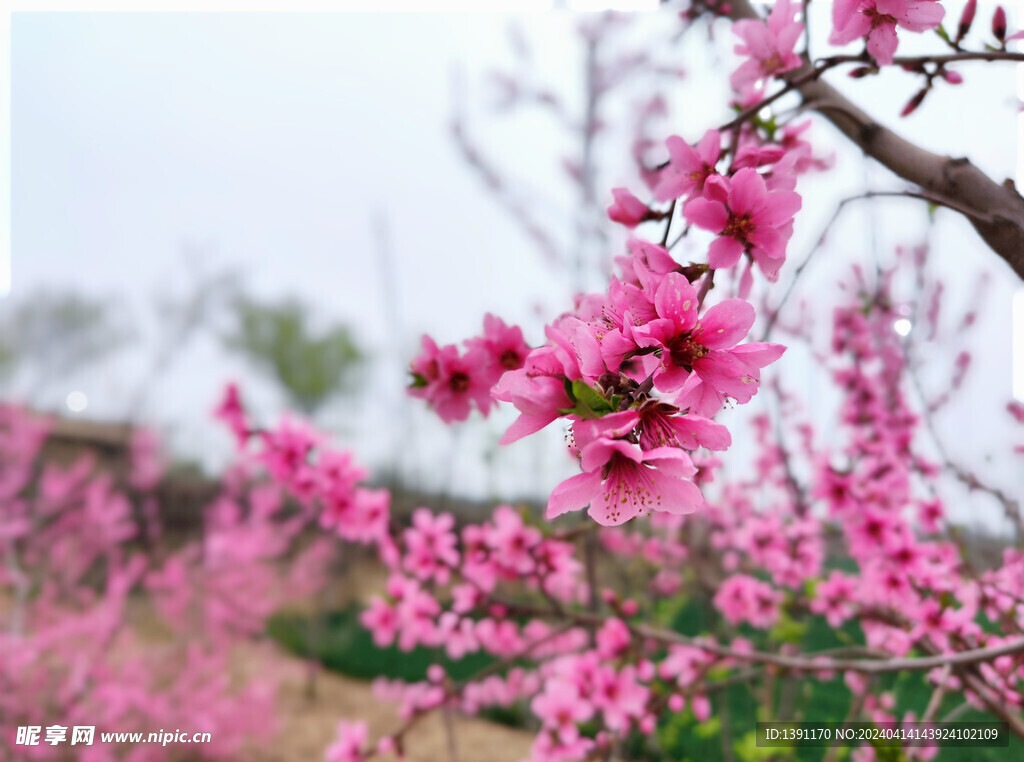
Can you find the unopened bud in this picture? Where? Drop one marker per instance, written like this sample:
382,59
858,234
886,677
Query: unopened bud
999,23
952,77
862,71
966,19
913,103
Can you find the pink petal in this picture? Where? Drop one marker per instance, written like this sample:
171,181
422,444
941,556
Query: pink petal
710,147
842,12
747,74
671,460
724,252
701,398
670,378
787,39
695,431
574,493
853,26
614,347
676,300
727,374
747,192
523,426
922,15
678,496
596,454
770,242
613,426
757,36
716,188
781,15
709,215
770,266
681,155
746,282
758,354
589,350
781,207
671,186
655,333
882,43
632,490
725,324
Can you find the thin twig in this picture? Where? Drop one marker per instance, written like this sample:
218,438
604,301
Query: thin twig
773,316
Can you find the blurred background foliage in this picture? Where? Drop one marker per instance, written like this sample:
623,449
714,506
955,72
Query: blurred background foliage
310,367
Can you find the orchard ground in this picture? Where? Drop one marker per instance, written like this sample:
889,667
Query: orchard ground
308,724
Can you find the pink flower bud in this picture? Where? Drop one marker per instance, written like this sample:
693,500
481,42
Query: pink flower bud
627,210
966,19
701,708
914,102
999,23
630,607
676,703
952,77
861,71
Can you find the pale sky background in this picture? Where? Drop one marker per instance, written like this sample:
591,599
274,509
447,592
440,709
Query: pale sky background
267,143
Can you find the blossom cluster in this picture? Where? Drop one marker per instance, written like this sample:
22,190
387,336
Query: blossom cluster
640,370
596,667
638,373
78,548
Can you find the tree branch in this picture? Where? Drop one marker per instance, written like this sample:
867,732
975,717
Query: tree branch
996,211
809,662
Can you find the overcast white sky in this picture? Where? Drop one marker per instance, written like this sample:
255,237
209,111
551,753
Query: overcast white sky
268,143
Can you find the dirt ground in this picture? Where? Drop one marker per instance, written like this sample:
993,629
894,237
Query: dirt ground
309,724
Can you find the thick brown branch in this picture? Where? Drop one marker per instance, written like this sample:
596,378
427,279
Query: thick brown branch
995,210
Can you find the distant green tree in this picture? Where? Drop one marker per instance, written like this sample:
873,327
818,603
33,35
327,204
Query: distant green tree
47,335
311,369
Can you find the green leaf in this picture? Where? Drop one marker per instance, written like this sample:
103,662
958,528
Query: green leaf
788,630
941,31
709,729
567,384
672,731
811,587
589,403
747,749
